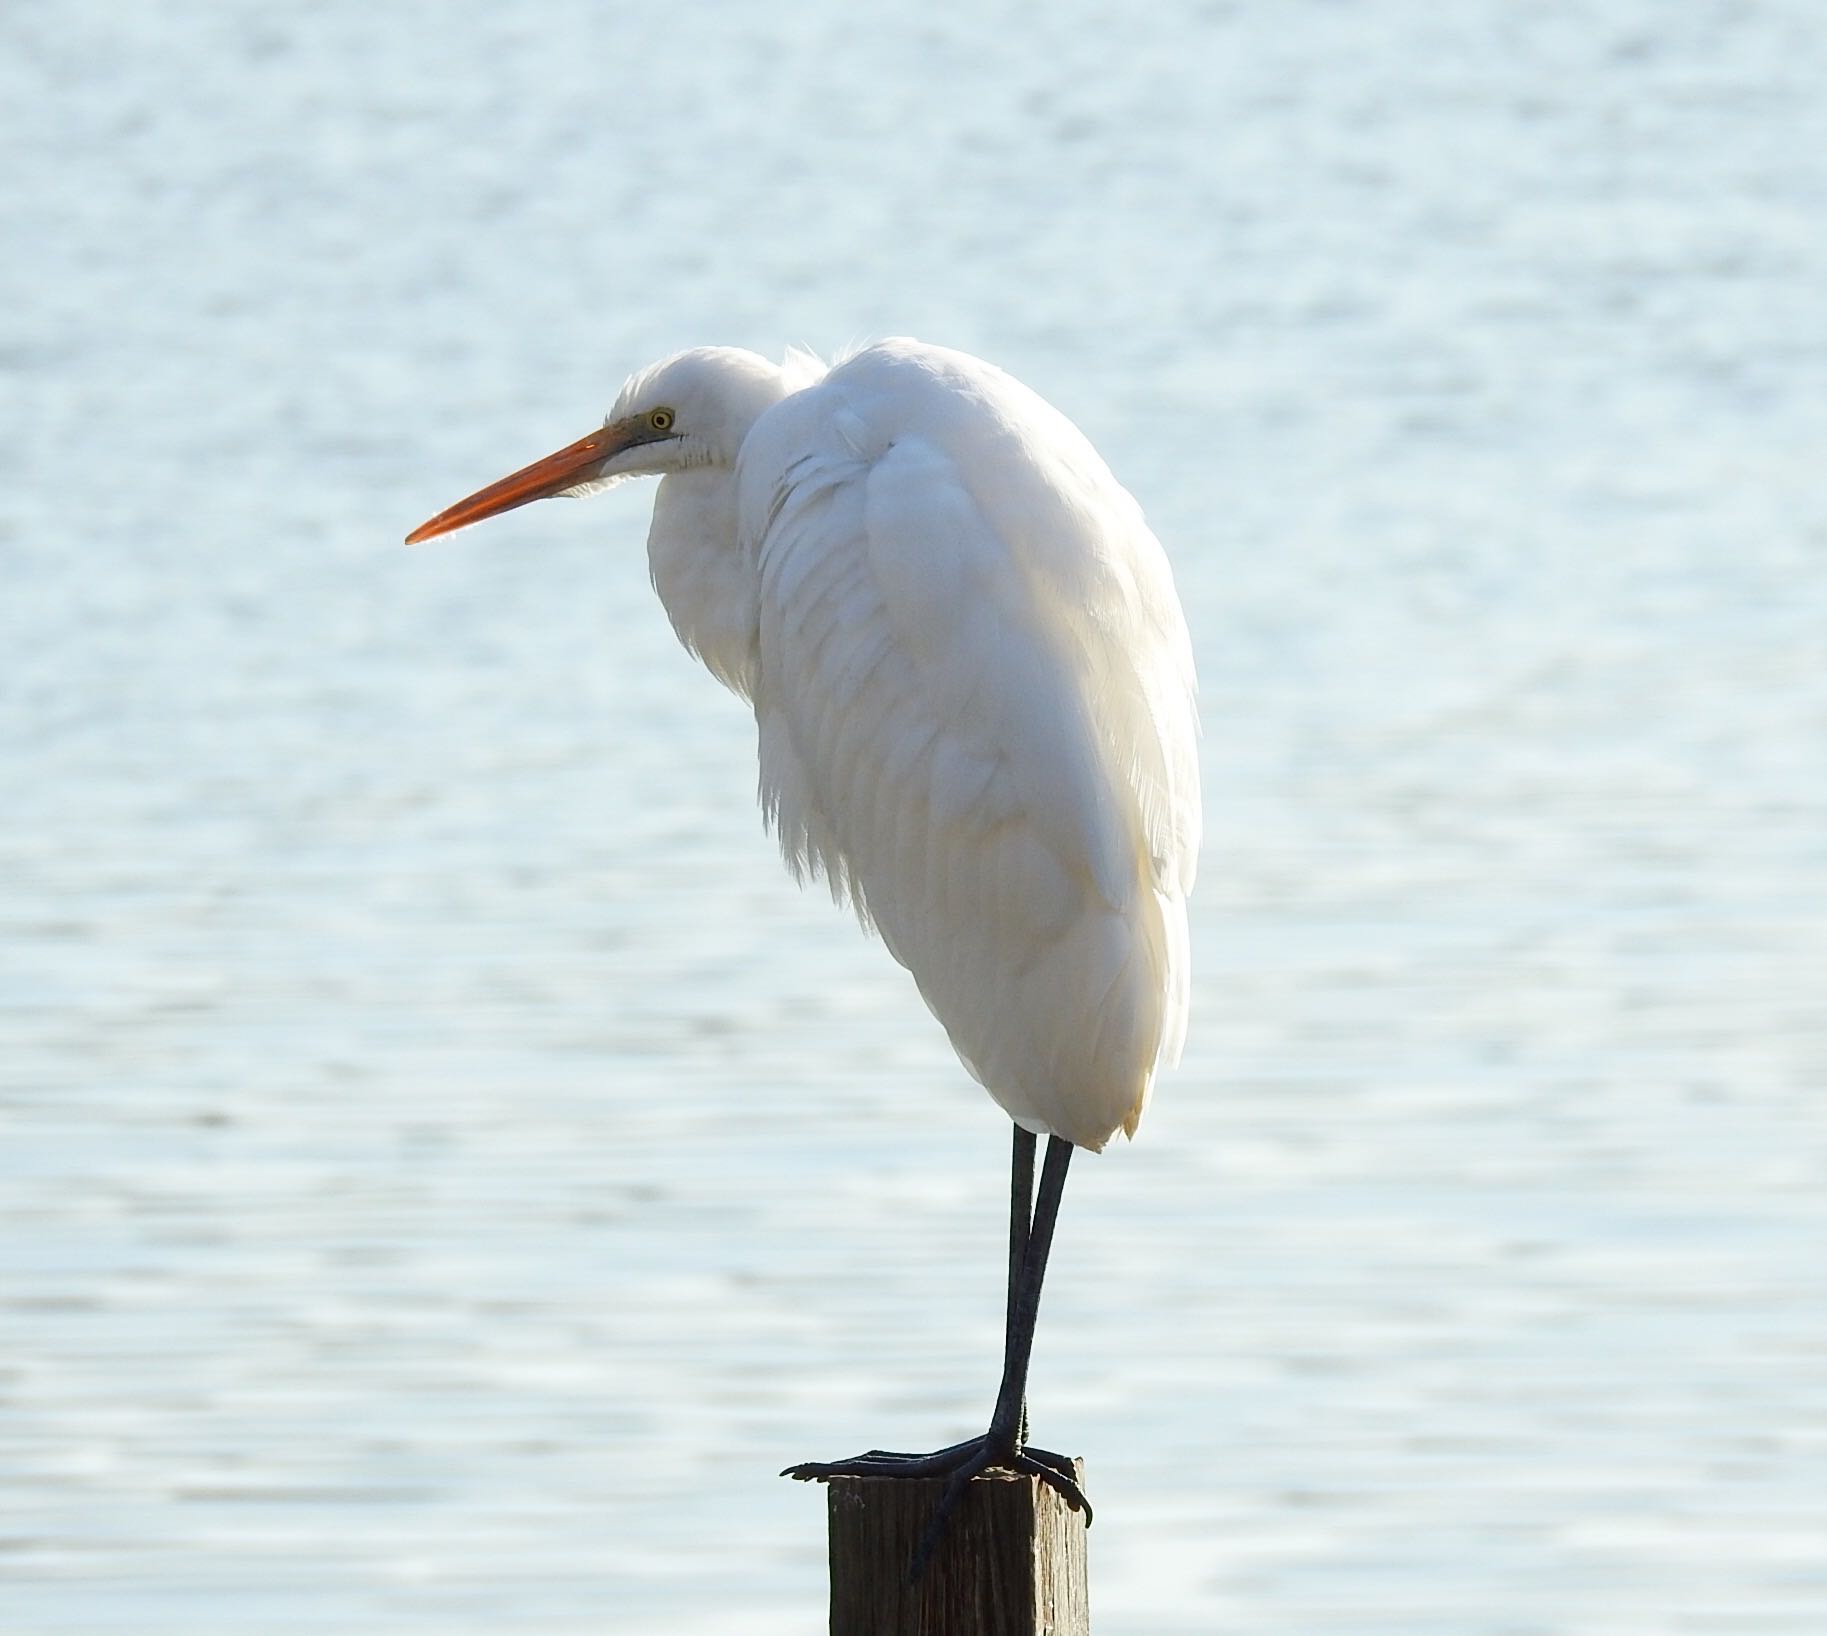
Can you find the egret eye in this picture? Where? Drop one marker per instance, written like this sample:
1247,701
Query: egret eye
660,420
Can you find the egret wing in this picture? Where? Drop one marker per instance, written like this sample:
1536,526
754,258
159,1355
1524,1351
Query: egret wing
930,743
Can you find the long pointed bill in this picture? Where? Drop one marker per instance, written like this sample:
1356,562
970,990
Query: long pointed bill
575,463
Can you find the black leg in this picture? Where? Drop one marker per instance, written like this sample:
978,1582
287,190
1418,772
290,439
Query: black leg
1024,1299
1021,1213
1031,1222
1005,1442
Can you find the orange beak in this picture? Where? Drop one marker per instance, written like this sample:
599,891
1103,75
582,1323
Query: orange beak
575,463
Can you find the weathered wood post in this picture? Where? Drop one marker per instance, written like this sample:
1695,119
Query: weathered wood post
1012,1562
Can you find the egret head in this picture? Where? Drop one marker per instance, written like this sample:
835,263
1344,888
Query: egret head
692,409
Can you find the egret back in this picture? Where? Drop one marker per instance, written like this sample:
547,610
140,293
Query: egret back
974,691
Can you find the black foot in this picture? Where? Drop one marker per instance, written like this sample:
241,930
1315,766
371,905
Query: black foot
958,1465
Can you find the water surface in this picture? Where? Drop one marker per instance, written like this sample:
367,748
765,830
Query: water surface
447,1168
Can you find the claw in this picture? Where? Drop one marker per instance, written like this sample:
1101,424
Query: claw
880,1463
958,1464
1062,1484
934,1530
1047,1457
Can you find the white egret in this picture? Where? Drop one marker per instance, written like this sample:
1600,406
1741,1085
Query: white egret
974,694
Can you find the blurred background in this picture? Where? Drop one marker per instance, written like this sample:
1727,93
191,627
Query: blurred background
447,1168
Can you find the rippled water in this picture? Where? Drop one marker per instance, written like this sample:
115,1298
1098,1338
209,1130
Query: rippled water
447,1169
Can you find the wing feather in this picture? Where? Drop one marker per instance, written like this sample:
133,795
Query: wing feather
975,715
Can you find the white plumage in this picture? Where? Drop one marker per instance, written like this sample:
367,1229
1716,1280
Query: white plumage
972,684
974,692
974,695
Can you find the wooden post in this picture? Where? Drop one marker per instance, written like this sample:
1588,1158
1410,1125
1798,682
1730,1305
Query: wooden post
1012,1562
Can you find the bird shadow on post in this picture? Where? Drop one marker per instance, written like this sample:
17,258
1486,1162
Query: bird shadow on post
1011,1562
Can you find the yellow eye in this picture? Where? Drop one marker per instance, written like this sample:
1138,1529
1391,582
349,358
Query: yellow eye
660,420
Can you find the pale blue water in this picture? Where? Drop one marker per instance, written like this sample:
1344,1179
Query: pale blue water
446,1169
